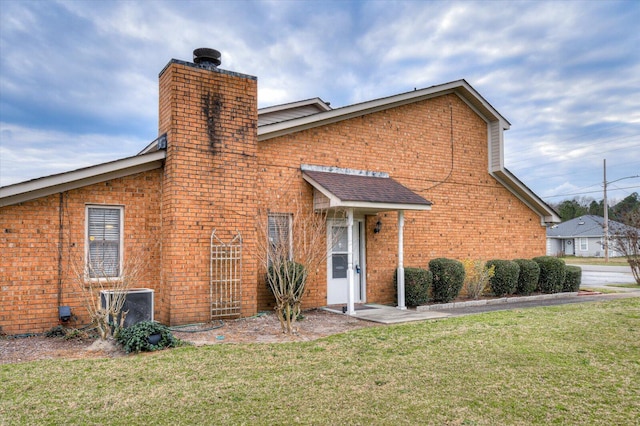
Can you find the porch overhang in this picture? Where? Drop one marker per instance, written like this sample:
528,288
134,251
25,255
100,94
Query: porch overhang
366,192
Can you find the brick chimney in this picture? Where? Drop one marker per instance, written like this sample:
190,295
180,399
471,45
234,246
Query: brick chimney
210,117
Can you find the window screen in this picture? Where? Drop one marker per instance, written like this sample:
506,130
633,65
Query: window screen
104,242
280,235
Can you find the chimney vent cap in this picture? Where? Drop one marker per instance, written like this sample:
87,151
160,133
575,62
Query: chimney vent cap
204,55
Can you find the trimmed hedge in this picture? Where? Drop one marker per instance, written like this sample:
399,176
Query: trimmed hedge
448,277
505,276
416,286
552,274
572,279
528,277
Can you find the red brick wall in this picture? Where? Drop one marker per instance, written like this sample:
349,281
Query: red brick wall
472,216
33,276
210,118
217,176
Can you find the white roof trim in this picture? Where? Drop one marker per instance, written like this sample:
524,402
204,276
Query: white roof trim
459,87
36,188
322,105
527,196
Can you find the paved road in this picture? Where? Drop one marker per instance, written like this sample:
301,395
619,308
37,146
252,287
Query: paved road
600,276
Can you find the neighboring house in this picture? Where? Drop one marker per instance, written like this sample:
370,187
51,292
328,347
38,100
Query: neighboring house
581,236
404,179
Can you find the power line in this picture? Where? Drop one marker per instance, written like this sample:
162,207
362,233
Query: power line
588,192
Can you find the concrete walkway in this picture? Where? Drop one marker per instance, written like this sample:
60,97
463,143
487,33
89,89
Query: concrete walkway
391,315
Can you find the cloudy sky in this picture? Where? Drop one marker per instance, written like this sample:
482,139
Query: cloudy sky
78,79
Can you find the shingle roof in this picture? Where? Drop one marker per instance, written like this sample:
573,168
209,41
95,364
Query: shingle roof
367,189
583,226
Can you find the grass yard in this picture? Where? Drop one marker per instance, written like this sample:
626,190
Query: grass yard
627,285
573,364
613,261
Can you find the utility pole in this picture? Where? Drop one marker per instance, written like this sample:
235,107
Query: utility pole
606,216
606,210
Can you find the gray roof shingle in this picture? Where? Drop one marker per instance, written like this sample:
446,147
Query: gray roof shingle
369,189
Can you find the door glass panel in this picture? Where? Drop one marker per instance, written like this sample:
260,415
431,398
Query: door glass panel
339,238
339,265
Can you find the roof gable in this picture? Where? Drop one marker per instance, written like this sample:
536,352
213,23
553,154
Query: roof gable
458,87
290,111
496,124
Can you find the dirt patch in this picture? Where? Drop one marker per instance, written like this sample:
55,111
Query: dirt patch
263,328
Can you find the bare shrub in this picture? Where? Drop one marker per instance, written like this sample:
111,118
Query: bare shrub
93,279
291,246
476,278
625,239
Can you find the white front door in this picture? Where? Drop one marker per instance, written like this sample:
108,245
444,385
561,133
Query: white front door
568,247
337,284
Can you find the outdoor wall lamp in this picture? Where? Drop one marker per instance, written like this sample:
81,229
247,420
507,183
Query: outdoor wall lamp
378,227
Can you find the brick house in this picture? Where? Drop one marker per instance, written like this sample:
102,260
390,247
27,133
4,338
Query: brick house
406,178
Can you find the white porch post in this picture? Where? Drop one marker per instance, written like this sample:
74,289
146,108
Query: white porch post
401,303
350,279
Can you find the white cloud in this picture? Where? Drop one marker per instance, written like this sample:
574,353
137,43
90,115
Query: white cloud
46,152
565,74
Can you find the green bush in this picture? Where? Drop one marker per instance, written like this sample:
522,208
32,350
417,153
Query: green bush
448,278
416,286
528,276
290,277
505,276
572,279
552,274
136,337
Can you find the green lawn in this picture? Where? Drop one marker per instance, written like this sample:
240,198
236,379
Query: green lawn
626,285
613,261
573,364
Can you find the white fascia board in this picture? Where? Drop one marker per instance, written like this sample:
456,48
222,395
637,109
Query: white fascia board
283,107
378,207
524,194
333,200
460,87
32,189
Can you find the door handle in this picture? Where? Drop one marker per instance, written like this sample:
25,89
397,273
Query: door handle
357,269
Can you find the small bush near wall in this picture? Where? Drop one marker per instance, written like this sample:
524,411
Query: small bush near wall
147,336
572,279
552,274
505,276
528,276
417,282
476,277
448,277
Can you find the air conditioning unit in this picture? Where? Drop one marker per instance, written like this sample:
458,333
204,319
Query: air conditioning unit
138,302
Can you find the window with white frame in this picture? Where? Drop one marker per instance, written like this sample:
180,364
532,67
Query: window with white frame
584,244
104,241
279,234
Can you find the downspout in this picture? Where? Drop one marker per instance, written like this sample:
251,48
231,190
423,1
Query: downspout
60,242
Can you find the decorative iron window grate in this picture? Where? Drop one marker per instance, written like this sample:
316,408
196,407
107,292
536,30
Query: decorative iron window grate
226,277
